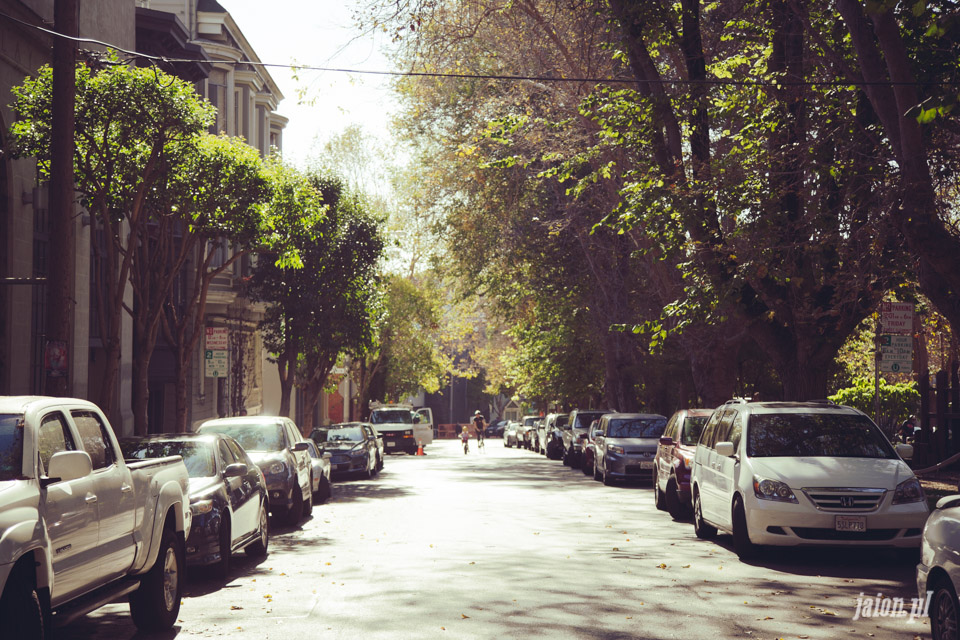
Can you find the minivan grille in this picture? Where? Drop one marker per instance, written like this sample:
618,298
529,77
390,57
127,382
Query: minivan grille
845,499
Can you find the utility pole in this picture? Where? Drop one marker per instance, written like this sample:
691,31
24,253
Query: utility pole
60,280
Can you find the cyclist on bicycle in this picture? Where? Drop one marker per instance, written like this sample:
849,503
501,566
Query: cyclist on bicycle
479,423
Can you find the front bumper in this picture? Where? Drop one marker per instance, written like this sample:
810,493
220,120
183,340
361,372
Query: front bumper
788,524
203,544
344,463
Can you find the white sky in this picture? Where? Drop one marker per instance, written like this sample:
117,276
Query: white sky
318,33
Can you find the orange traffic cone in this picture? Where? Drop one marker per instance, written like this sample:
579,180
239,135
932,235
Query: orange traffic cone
419,448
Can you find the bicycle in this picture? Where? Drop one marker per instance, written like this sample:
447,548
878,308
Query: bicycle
466,446
480,445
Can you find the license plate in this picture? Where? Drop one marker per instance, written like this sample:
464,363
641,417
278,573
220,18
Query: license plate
851,523
644,464
391,444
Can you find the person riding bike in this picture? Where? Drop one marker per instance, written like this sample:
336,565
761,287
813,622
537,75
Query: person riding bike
465,438
479,423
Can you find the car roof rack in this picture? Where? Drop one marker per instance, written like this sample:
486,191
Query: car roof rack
822,401
737,401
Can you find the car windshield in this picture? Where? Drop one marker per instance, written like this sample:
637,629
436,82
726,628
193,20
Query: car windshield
529,422
585,418
691,430
11,446
345,434
561,421
385,416
636,427
251,436
198,456
815,434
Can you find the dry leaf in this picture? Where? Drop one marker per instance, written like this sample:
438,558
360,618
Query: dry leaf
464,616
234,607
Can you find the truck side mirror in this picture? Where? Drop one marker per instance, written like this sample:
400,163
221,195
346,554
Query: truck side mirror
69,465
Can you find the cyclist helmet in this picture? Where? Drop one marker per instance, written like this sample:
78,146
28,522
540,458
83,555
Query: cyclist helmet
477,412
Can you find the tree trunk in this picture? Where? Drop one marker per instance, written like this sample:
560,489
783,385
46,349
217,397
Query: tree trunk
619,373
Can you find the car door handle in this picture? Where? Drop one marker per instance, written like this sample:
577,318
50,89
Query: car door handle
90,499
126,489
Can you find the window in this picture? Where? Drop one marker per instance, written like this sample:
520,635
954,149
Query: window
670,431
736,431
708,431
53,437
226,454
238,453
722,433
93,436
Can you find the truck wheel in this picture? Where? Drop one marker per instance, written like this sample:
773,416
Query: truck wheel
258,549
20,610
156,604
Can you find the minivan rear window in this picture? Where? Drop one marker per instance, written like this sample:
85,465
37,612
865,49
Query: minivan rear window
815,435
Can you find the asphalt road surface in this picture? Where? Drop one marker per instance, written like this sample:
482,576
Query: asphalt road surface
507,544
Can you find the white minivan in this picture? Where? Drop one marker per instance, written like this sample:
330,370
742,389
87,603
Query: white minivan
803,473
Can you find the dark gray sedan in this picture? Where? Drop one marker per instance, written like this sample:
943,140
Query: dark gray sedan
626,444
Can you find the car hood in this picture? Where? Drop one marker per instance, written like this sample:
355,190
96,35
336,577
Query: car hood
200,486
261,458
833,472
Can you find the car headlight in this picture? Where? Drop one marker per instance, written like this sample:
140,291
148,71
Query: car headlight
908,491
773,490
276,468
201,506
615,449
356,452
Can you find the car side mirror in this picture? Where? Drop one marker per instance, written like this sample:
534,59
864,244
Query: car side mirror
905,450
725,449
300,446
326,455
666,441
235,470
948,502
69,465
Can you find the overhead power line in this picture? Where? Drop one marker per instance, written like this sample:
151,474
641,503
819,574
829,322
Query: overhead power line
487,76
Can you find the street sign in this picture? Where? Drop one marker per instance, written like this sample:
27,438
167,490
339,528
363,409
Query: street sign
896,317
215,363
896,353
216,338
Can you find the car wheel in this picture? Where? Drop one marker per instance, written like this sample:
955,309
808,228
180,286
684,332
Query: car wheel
596,470
566,457
226,537
154,606
703,530
607,479
20,607
659,500
258,549
324,492
944,615
296,509
308,503
379,463
741,536
676,509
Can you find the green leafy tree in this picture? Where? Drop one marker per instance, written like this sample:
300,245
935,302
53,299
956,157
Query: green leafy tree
133,125
320,311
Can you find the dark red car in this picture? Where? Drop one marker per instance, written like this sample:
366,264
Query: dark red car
674,461
588,449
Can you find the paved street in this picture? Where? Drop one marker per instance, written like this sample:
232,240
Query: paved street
509,544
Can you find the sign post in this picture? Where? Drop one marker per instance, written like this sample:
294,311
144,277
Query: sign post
894,350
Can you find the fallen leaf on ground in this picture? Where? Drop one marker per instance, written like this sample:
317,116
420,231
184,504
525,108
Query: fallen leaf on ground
661,566
463,615
234,607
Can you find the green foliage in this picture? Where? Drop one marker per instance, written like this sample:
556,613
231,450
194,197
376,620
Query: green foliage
898,401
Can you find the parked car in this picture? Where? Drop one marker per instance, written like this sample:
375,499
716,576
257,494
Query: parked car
495,429
674,461
528,433
352,447
938,573
80,526
589,449
625,445
511,434
228,495
322,487
276,446
549,435
378,440
811,473
574,433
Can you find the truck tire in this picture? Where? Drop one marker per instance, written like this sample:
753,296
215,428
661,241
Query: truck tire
20,609
156,604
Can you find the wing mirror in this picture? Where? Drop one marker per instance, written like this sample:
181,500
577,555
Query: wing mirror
905,451
300,446
666,441
725,449
69,465
235,470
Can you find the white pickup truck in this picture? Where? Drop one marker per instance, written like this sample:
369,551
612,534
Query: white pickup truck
79,527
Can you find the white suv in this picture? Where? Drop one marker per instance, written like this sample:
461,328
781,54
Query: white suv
803,473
